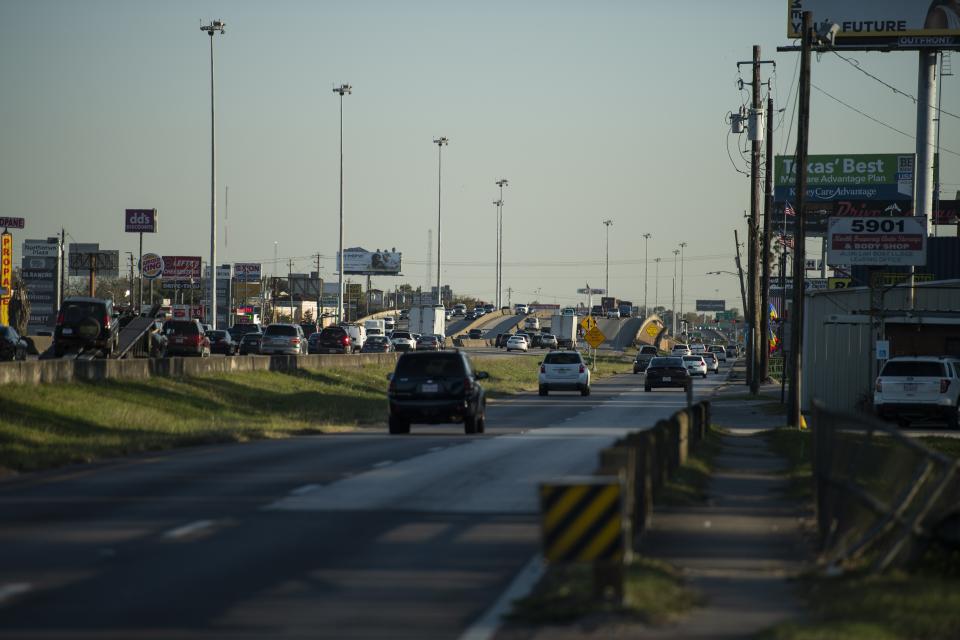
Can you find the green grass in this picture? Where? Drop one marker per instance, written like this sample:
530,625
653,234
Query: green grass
796,448
654,593
689,485
50,425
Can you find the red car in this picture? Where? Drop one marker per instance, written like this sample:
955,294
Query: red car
186,338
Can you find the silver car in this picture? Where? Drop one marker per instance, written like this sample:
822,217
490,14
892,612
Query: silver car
548,341
284,339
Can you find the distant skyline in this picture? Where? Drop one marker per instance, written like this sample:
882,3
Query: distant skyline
592,111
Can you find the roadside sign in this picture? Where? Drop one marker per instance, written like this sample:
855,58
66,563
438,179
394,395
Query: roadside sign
12,223
140,220
152,266
711,305
653,330
883,349
588,323
839,283
877,241
595,337
592,292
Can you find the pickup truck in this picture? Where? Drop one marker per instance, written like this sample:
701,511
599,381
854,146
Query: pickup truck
644,356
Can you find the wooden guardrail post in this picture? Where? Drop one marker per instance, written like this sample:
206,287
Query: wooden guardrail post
621,461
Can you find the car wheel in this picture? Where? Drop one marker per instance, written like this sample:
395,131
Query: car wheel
398,425
704,375
953,420
482,422
470,424
585,391
647,389
543,390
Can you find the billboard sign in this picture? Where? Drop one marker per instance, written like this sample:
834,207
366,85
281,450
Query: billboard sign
856,176
877,241
87,255
40,249
140,220
12,223
247,271
711,305
151,265
363,262
40,273
904,25
181,267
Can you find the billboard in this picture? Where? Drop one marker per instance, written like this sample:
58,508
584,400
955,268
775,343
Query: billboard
711,305
896,23
140,220
181,267
363,262
40,273
151,265
84,255
847,177
12,223
247,271
877,241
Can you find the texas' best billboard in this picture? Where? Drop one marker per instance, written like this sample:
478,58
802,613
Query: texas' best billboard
361,261
898,23
855,176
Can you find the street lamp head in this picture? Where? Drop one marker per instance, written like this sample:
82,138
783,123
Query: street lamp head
441,141
608,222
683,244
343,89
676,252
502,182
498,202
214,26
647,236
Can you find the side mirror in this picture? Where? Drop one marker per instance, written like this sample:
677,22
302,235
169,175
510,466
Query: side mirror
390,376
481,375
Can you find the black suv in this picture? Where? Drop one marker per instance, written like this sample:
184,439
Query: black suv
85,323
667,372
331,340
436,387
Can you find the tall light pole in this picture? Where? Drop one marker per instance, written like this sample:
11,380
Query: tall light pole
496,257
215,26
682,246
440,142
673,305
608,224
502,182
656,284
646,269
343,89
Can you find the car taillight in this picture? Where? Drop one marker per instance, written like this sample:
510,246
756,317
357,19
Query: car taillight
106,322
944,385
467,384
543,369
345,341
393,387
879,386
295,341
582,369
197,339
60,319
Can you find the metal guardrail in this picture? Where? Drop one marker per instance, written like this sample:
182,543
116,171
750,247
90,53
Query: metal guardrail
881,496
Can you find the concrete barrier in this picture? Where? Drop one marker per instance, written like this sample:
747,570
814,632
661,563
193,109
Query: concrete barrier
58,371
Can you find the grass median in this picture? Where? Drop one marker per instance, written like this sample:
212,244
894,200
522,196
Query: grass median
50,425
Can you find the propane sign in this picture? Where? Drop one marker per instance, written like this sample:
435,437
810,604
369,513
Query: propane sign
877,241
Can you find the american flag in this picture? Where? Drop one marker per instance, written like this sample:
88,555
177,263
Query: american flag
788,209
785,240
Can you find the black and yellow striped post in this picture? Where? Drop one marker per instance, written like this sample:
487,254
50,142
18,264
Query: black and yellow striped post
582,521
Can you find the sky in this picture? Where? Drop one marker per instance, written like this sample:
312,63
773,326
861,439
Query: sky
605,110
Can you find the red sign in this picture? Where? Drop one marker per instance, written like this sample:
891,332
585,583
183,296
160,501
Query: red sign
6,267
891,242
948,211
12,223
181,267
140,220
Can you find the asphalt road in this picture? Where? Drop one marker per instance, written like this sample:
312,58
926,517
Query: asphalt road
361,535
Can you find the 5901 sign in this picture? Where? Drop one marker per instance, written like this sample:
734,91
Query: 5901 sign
877,241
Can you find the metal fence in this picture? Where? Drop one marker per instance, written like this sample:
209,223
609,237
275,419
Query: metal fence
881,496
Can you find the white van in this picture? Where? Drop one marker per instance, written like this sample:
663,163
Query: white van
375,327
358,335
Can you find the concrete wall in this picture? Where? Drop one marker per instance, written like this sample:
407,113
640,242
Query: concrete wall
54,371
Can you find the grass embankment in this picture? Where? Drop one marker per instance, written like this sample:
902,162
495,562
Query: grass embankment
924,603
688,486
43,426
653,593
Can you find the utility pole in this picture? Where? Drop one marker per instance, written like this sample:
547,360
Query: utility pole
216,26
656,284
765,248
646,269
753,235
440,142
683,245
63,266
796,313
673,303
743,293
290,286
608,224
319,291
342,90
502,182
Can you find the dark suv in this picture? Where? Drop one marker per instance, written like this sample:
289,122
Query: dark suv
667,372
331,340
85,323
186,337
436,387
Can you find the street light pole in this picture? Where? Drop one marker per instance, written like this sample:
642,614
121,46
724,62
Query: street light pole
656,284
343,89
502,182
673,304
646,269
496,256
682,246
215,26
608,224
439,142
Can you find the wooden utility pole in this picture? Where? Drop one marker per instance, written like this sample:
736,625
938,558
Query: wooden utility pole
754,232
743,294
799,253
765,250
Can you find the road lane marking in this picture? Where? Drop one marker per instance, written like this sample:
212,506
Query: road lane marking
188,529
10,590
382,464
307,488
488,624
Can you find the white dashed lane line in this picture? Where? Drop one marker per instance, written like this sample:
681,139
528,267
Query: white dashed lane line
382,464
188,529
13,589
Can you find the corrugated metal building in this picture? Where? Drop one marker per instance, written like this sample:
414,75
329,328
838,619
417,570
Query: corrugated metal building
841,328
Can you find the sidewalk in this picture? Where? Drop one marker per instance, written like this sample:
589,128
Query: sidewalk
739,551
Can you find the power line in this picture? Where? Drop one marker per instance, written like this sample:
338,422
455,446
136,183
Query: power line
869,117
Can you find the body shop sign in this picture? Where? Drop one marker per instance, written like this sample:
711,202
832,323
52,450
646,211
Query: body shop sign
140,220
181,267
877,241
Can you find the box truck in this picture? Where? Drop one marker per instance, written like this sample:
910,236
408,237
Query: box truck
428,320
564,327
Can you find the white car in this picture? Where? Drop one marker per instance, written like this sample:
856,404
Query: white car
518,343
531,324
697,348
548,341
712,363
403,341
680,349
924,387
720,353
613,313
564,370
696,365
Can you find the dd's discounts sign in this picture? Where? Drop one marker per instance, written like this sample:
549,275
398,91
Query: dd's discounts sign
877,241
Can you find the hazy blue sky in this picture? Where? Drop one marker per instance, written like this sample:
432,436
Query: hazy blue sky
592,110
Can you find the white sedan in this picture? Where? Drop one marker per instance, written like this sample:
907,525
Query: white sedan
696,365
564,370
518,343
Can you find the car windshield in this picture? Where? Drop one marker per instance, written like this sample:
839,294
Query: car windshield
252,337
401,334
183,327
280,330
914,368
336,332
666,362
648,351
680,346
376,340
563,358
437,365
217,335
547,336
76,311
